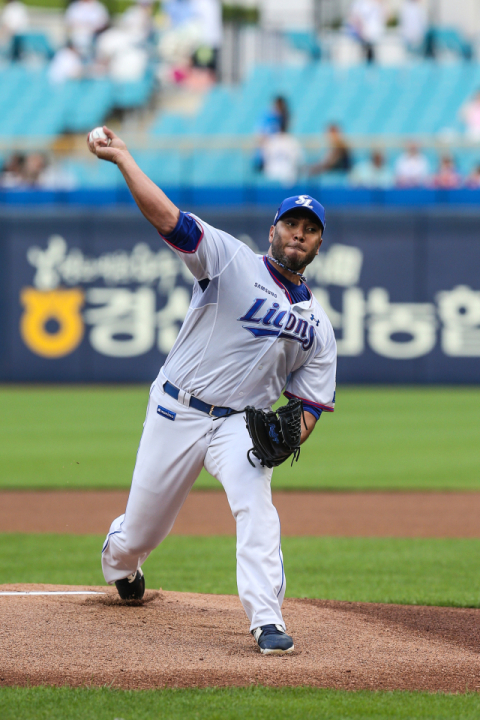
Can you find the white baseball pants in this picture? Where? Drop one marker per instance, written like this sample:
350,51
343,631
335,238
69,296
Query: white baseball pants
170,457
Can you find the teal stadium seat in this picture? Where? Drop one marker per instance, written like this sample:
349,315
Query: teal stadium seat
31,43
90,103
217,168
33,107
130,95
307,42
172,124
166,168
94,174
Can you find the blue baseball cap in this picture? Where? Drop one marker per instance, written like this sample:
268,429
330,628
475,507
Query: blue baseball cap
306,202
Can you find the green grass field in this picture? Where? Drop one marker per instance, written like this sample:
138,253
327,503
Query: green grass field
114,7
410,571
253,703
378,437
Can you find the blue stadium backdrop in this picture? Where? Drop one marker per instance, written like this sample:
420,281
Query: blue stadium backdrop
92,295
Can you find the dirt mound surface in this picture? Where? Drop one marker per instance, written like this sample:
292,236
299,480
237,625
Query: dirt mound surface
189,640
365,514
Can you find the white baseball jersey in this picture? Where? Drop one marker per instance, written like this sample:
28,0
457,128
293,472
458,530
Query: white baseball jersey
242,341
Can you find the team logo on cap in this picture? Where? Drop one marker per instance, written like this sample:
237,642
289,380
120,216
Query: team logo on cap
304,200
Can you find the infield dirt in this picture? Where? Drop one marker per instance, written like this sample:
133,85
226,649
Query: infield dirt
358,514
194,640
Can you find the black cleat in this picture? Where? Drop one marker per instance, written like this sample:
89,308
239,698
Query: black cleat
273,640
131,587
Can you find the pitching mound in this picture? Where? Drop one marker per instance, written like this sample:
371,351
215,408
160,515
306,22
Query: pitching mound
185,640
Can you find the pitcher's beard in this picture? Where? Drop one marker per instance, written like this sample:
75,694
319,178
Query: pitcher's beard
290,263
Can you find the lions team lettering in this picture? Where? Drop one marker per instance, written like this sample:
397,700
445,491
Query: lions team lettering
295,328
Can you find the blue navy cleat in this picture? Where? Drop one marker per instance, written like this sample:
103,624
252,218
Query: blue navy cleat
273,640
131,587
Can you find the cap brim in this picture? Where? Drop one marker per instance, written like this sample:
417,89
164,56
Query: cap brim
293,211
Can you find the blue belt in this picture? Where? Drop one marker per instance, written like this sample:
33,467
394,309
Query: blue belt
199,404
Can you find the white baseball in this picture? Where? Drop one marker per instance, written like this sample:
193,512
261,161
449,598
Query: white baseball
98,134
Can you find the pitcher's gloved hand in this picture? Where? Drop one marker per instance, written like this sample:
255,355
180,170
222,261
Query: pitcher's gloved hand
275,435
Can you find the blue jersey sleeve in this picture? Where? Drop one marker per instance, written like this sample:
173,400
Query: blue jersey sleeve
316,412
205,250
187,234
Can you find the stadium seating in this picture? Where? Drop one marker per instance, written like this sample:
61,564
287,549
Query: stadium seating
422,98
306,42
32,107
417,100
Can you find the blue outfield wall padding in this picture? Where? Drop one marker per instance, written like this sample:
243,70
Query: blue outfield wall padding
93,294
261,195
413,197
352,197
230,196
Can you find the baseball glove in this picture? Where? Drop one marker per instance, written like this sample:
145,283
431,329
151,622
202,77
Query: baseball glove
275,435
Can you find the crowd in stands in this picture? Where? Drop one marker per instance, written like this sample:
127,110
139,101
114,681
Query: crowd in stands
184,39
367,23
34,171
280,157
411,170
183,45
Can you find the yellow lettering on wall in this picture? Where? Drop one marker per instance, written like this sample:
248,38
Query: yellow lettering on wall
63,306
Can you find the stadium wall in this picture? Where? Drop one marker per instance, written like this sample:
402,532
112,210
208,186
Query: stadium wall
94,295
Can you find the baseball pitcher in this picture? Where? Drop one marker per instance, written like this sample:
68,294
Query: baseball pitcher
253,330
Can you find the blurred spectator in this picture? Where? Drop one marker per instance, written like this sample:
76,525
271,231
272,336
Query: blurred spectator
34,165
13,22
372,173
55,177
190,48
137,20
367,19
180,12
447,177
411,168
35,172
11,175
473,180
40,173
276,118
84,20
338,157
470,114
65,65
208,14
121,56
413,24
282,157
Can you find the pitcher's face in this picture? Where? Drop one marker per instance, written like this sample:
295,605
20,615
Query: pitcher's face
295,240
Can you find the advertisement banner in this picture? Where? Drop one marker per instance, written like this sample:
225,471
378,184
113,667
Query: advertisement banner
91,296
